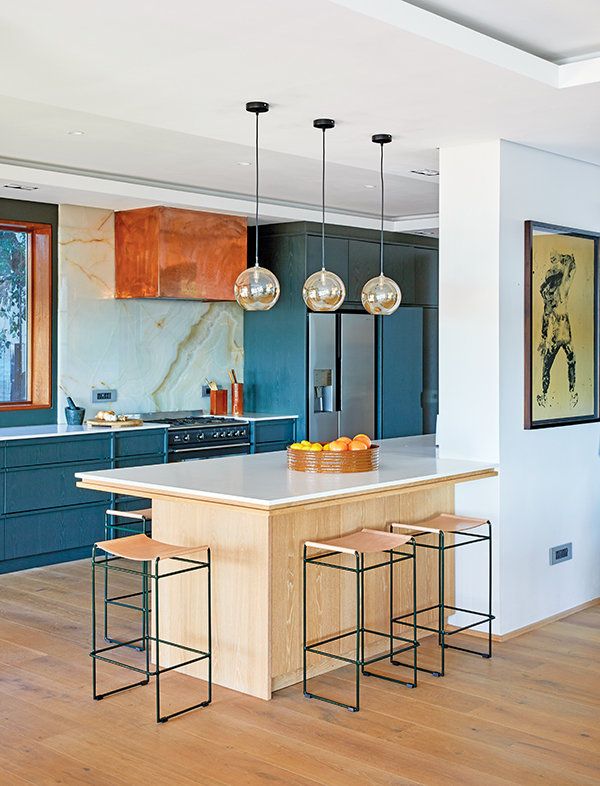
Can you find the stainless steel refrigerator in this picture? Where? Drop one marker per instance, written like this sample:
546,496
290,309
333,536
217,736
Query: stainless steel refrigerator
341,368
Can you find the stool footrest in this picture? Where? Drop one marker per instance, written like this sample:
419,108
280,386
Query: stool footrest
314,648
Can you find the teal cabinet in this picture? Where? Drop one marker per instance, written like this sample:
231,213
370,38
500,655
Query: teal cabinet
363,264
30,534
140,443
270,435
276,341
44,517
271,447
58,450
401,373
36,488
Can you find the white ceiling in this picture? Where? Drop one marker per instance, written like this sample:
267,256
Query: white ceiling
556,30
160,94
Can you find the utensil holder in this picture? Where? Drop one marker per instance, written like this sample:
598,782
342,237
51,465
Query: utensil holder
237,398
74,415
218,402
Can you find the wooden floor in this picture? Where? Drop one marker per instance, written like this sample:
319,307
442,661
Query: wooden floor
530,715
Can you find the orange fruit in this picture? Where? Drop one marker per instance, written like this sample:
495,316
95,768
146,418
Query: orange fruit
357,444
316,446
347,440
363,438
338,445
327,446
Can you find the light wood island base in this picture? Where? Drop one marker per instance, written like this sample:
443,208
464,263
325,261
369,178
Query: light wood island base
257,578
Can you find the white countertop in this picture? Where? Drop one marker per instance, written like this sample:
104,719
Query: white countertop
264,481
261,416
63,430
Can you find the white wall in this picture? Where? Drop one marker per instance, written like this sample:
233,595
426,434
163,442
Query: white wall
548,491
156,353
550,487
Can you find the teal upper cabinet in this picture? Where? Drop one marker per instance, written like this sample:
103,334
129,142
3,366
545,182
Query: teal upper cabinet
275,341
399,264
363,264
336,256
426,276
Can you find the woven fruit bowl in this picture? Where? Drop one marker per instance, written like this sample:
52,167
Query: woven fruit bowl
332,461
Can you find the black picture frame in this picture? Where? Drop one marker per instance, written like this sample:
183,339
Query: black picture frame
531,385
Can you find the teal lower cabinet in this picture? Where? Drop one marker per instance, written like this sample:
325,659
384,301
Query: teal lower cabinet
51,535
44,517
270,447
270,435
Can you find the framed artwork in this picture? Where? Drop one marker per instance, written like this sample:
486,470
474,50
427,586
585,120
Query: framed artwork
561,325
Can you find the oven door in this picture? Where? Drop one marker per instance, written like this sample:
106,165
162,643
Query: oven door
208,451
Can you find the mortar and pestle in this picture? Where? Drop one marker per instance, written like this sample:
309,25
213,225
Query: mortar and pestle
74,415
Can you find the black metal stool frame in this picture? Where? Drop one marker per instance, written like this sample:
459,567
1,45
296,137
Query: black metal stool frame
146,638
359,660
111,526
441,630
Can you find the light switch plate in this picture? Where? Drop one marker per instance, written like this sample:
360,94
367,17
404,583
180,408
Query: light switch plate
103,396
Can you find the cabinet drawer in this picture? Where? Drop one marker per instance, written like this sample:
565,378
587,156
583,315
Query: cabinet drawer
53,530
138,443
58,450
35,488
271,447
273,431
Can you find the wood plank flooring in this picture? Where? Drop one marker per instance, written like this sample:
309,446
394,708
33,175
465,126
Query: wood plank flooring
529,716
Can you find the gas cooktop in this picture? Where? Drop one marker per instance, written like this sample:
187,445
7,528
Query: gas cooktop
188,419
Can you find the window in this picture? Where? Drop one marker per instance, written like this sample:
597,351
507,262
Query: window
25,315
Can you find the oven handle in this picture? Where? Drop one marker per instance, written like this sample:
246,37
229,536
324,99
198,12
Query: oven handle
211,447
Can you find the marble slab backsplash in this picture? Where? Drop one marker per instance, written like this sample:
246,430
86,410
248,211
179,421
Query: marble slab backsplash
155,353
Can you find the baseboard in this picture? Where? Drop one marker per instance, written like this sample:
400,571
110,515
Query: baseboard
533,626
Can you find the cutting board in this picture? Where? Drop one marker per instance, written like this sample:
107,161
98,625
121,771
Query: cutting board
115,423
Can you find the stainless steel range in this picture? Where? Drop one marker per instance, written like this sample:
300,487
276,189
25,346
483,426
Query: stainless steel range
193,435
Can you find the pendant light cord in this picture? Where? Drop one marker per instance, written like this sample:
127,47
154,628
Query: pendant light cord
323,206
256,208
382,202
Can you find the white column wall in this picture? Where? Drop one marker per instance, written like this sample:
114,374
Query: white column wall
469,419
548,491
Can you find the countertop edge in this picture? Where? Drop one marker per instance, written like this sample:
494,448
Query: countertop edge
88,480
72,431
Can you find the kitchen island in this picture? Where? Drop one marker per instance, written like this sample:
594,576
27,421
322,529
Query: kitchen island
255,514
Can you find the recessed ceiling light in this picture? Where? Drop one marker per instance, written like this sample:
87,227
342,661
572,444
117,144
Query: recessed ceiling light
425,172
19,187
368,185
243,163
76,133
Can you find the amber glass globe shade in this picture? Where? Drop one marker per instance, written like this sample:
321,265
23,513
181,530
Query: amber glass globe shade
323,291
381,296
256,289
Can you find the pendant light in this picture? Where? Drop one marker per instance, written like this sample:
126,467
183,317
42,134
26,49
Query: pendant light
381,295
256,288
323,290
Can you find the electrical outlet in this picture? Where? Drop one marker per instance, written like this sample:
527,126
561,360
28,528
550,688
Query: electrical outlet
205,391
561,553
103,396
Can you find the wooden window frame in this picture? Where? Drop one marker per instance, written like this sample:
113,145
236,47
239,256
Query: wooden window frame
39,323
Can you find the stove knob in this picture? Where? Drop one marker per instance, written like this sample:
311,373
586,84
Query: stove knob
186,438
200,435
176,438
230,434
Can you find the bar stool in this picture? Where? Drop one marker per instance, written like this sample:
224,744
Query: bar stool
443,525
135,522
356,545
141,548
